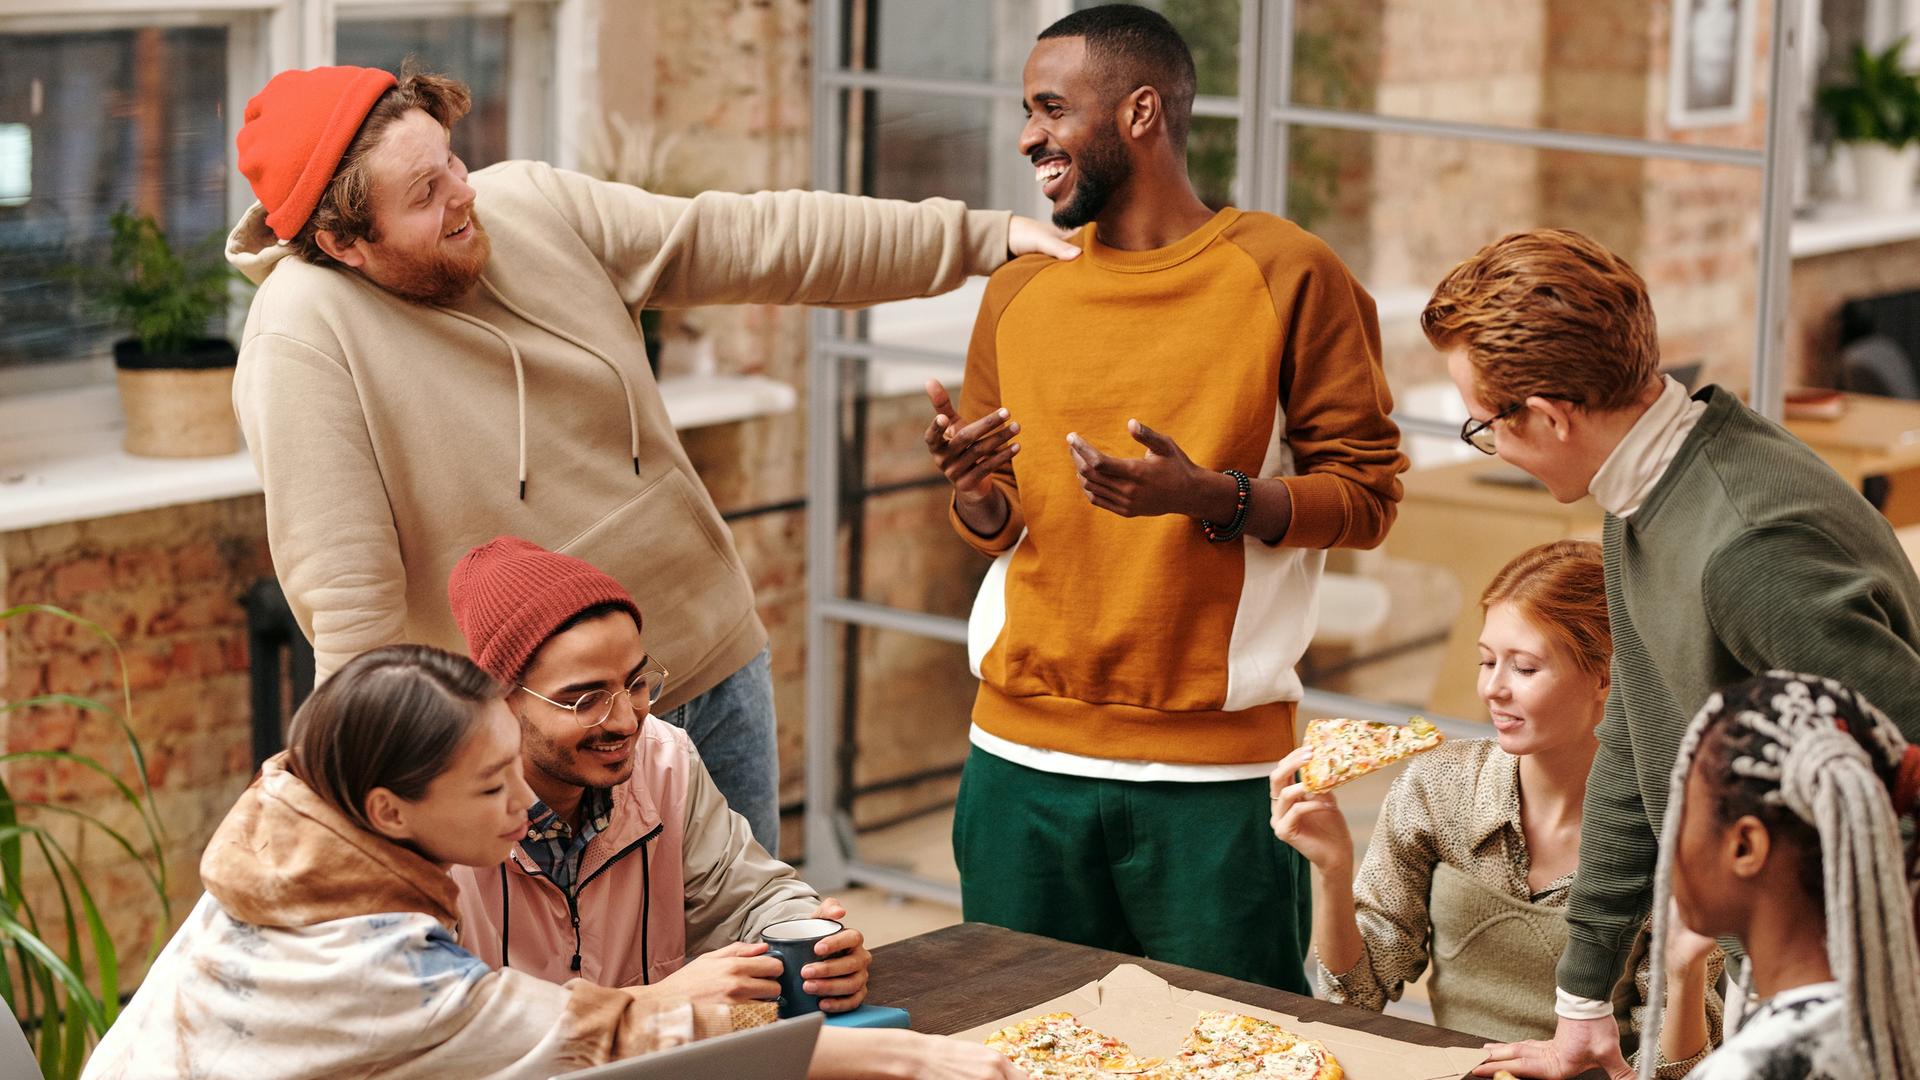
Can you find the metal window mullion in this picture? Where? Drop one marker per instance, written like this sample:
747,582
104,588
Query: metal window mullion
899,620
895,880
576,77
1249,133
1217,107
1768,395
1277,86
839,79
132,12
1535,138
318,28
849,349
532,73
826,860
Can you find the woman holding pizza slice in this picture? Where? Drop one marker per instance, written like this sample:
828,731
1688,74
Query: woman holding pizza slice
1472,858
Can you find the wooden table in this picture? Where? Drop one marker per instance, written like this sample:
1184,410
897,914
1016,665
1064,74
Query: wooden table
1454,517
963,976
1875,436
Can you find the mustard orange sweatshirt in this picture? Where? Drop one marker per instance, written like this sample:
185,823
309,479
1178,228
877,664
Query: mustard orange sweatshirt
1251,345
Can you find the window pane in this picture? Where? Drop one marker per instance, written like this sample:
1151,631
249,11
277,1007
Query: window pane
91,122
1212,31
986,41
1212,155
1603,66
916,146
898,536
471,48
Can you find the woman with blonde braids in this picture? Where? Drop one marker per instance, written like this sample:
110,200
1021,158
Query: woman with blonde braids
1782,834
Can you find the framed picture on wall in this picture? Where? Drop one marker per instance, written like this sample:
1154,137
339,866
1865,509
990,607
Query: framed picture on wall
1710,78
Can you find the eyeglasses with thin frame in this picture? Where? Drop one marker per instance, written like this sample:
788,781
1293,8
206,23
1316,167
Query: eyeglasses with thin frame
1479,433
592,708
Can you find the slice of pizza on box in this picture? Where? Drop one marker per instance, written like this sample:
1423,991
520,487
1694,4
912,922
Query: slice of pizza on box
1346,750
1057,1046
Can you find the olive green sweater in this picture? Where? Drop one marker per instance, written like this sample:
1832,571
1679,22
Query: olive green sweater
1749,555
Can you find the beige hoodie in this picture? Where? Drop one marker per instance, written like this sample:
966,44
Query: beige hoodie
322,950
391,436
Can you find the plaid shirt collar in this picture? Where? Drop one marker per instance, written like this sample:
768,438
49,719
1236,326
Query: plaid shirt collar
552,843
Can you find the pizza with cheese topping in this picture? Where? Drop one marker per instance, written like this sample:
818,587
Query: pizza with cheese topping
1221,1046
1229,1046
1056,1046
1346,750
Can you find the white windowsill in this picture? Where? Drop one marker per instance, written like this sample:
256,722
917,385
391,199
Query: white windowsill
1837,228
60,462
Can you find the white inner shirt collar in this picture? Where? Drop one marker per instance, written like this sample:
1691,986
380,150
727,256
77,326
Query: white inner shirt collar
1630,473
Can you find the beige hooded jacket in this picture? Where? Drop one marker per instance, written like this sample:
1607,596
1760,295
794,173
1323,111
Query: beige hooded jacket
322,950
393,436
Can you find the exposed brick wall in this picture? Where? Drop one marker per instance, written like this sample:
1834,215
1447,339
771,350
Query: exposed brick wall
165,584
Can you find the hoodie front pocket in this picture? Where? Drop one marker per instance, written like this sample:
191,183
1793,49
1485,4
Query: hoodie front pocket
672,552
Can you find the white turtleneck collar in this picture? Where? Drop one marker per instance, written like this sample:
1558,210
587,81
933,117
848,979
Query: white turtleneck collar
1630,473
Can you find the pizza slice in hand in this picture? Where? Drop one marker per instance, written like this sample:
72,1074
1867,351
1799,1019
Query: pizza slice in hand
1346,750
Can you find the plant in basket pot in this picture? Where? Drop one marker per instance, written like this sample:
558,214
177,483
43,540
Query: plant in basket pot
176,383
1876,117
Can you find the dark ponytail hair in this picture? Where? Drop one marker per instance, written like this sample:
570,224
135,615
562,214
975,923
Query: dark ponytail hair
391,718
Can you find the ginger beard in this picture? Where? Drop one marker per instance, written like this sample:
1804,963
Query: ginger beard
443,276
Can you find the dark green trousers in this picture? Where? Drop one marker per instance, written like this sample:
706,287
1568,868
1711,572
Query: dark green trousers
1186,873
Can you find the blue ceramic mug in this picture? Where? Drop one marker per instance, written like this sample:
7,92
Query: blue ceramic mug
792,942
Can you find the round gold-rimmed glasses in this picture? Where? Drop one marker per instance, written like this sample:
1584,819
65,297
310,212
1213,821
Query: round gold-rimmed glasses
592,708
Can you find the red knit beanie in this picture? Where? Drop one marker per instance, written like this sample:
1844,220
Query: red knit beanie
296,130
509,596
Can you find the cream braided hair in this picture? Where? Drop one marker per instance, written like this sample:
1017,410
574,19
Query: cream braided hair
1804,748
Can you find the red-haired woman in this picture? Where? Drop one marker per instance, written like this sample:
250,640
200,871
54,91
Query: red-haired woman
1471,862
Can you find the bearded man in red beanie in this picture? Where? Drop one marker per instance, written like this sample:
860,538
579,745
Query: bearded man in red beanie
634,871
433,359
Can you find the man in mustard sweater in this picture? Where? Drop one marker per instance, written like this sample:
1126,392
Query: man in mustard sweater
434,359
1136,636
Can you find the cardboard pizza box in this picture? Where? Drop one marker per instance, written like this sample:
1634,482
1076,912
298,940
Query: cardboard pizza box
1142,1010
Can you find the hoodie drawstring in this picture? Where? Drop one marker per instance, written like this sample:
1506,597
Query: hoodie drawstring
519,382
646,915
506,918
626,386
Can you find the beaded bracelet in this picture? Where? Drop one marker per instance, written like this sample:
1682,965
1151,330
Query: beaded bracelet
1220,534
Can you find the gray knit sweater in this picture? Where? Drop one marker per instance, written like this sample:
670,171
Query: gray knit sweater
1750,554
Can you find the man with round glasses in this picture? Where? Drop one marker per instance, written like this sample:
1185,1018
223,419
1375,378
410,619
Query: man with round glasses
634,870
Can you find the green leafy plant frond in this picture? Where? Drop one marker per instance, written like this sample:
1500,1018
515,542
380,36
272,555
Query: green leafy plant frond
1879,102
43,950
165,297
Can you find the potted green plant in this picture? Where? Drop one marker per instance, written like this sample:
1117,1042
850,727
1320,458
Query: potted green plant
1876,117
176,383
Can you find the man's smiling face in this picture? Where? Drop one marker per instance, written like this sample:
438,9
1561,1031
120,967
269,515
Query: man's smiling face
426,244
601,654
1072,134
